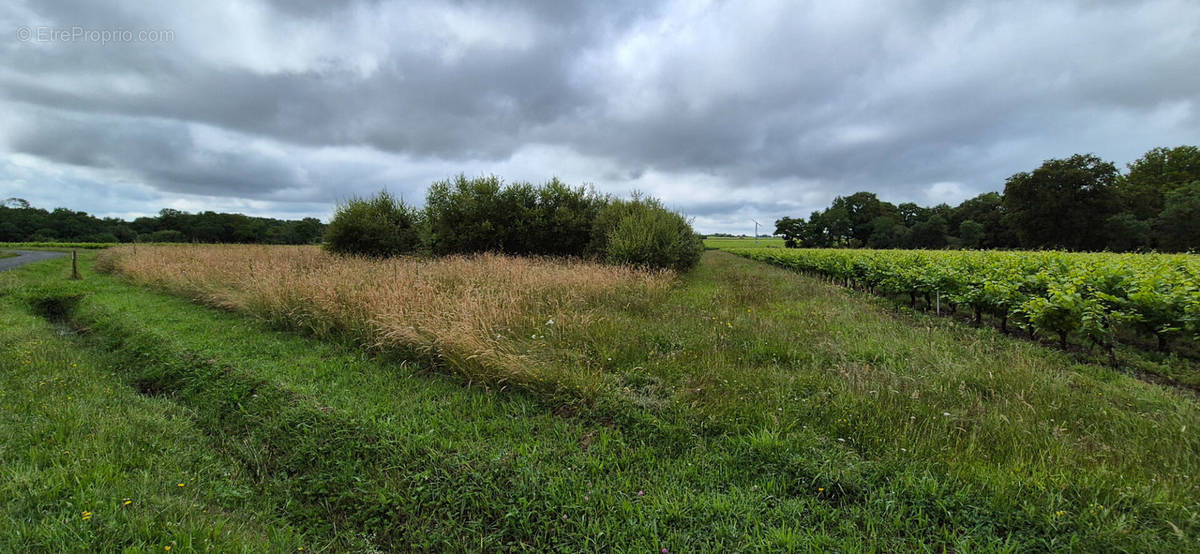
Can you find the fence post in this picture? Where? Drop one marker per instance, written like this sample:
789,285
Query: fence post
938,309
75,264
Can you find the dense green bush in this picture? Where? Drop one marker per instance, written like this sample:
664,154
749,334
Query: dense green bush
565,218
379,226
483,214
643,232
466,215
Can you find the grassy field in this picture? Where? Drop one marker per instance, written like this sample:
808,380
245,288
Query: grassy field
483,317
726,243
89,464
740,407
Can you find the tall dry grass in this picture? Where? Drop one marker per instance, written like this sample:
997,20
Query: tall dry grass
479,316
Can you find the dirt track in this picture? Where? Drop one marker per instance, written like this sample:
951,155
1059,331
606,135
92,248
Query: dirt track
26,256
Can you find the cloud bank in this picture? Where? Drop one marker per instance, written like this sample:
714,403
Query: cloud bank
729,111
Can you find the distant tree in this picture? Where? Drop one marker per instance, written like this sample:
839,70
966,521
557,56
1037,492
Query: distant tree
887,232
987,209
943,211
930,233
792,231
169,218
212,228
119,229
817,232
1177,228
911,213
837,227
1076,203
24,222
1126,233
43,235
166,235
246,229
305,231
972,234
1062,203
1151,177
856,213
10,232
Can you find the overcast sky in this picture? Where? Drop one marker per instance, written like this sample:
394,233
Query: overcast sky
729,111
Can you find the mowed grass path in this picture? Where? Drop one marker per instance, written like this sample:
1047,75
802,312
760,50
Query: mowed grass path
722,243
89,465
755,409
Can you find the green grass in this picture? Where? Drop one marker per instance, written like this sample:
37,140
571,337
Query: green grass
89,465
726,243
755,409
7,255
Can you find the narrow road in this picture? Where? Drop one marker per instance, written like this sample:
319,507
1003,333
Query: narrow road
26,256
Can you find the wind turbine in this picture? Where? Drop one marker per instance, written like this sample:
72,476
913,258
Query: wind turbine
756,224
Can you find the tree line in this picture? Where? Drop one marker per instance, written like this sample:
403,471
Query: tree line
1080,203
20,222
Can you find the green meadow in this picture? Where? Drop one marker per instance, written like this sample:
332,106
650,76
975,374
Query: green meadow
746,408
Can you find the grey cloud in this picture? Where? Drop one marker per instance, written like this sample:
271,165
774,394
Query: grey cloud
755,95
163,153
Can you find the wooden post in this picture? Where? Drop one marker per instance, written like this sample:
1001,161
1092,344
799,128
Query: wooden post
75,264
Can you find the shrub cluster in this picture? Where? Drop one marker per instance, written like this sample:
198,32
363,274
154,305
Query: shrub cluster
483,214
378,226
643,232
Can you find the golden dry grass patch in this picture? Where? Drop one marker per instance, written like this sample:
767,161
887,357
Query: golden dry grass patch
476,315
